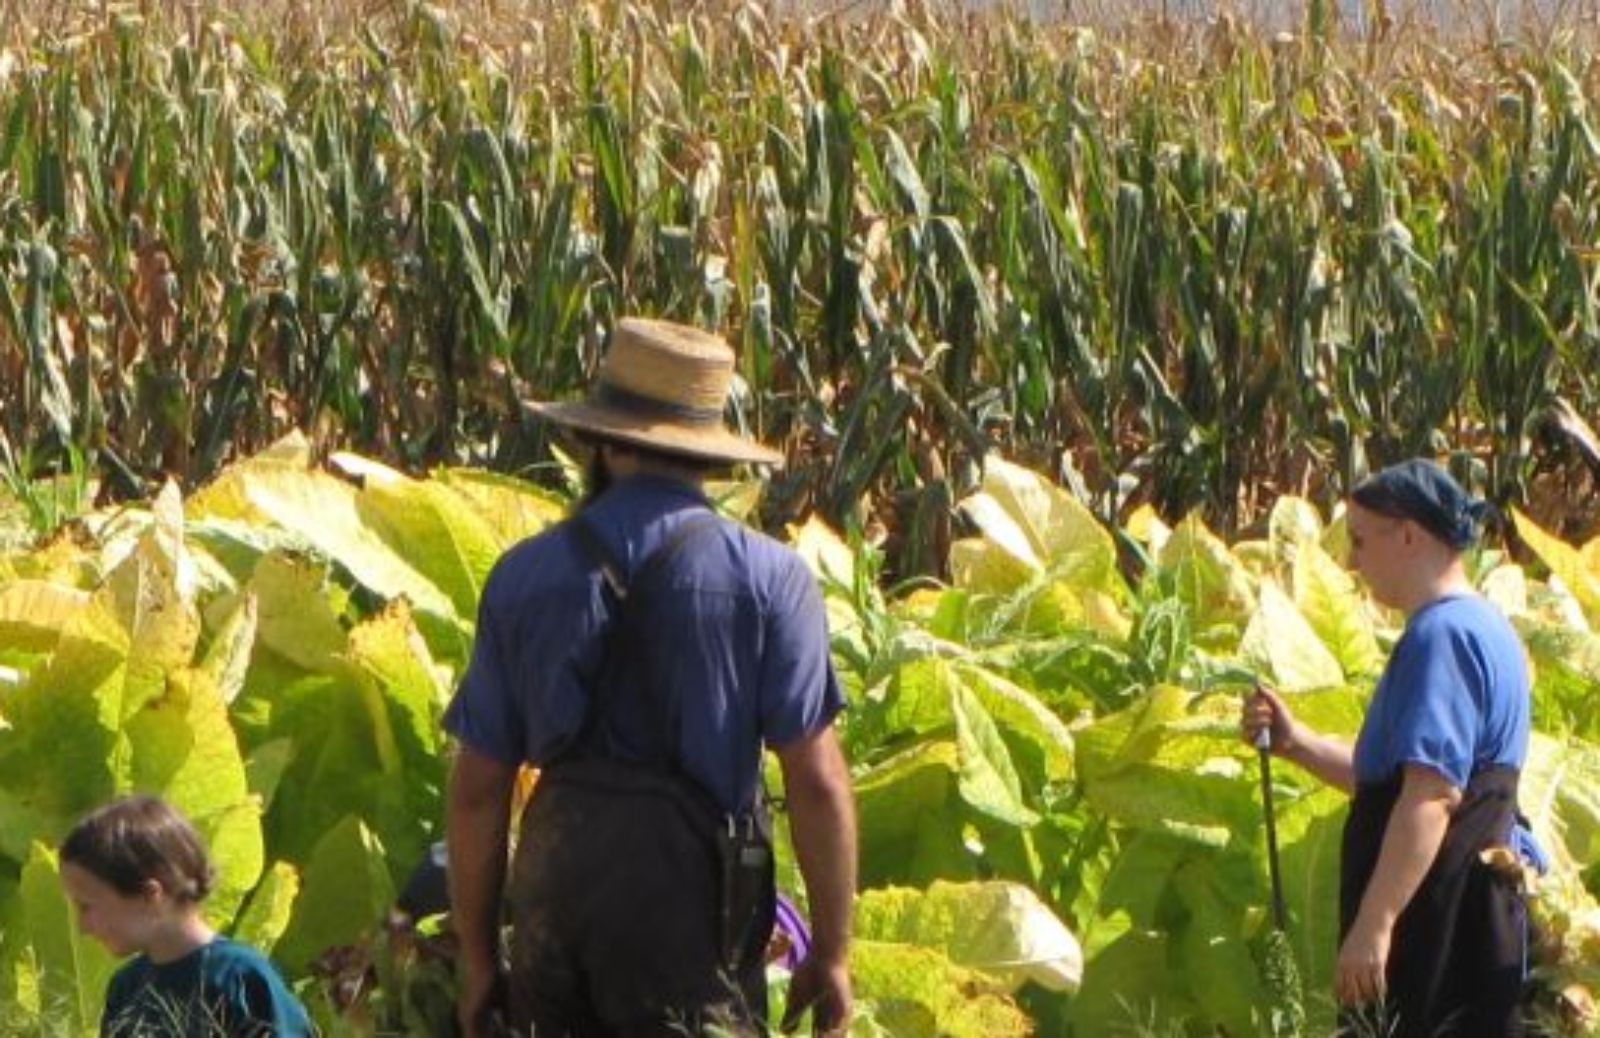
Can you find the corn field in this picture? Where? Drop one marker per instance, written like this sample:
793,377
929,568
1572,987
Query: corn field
1191,264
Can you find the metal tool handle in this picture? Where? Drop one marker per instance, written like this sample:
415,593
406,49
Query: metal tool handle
1263,744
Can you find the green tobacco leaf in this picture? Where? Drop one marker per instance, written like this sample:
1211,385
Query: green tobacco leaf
911,817
266,916
19,974
346,761
916,992
1565,664
182,746
265,767
227,659
1311,831
1163,765
1213,953
405,696
1130,987
1010,744
59,755
389,651
988,779
73,970
1331,602
1040,744
34,612
1284,647
1129,736
1002,929
346,892
1135,887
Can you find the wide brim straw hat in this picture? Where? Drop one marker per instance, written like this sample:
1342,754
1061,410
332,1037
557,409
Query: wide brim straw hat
663,386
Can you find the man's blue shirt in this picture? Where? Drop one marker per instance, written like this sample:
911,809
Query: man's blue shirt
1454,696
747,635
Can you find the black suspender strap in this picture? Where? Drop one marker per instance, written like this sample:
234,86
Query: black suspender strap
616,624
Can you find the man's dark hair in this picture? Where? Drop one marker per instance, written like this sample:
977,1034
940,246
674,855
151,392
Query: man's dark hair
136,839
597,479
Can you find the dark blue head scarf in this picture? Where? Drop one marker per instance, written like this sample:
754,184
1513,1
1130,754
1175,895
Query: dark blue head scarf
1426,494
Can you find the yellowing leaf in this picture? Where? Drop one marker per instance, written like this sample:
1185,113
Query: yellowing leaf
33,612
1294,521
1284,645
182,746
512,508
1215,585
1000,928
271,905
435,531
1331,602
293,616
323,512
916,992
1056,526
824,551
1576,571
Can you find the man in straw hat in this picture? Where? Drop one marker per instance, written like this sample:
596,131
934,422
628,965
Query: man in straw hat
642,654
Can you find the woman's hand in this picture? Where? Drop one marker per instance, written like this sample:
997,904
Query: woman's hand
1265,711
1359,977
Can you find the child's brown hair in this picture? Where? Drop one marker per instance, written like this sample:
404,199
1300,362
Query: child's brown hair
134,840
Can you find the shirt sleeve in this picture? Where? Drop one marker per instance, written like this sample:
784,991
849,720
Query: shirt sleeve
800,692
1437,716
484,711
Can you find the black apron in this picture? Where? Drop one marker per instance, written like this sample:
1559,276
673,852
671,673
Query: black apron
1456,961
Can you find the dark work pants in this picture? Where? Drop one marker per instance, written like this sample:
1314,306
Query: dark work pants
614,909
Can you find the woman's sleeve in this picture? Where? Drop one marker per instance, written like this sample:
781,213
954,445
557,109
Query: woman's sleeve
1438,684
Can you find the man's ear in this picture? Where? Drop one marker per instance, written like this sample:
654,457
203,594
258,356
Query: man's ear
152,890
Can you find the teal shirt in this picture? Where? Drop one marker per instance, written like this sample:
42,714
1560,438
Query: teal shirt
219,990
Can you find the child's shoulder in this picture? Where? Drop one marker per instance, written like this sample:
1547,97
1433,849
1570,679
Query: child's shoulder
225,955
256,985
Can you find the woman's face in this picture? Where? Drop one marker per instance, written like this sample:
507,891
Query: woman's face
1381,552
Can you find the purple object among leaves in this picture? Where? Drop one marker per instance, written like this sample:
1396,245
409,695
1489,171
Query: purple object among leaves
789,922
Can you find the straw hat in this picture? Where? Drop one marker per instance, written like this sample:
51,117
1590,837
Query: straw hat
662,386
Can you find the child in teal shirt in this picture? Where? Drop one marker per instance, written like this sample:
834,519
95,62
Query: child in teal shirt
137,872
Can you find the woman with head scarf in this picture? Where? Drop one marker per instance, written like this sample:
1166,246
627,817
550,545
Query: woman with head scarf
1432,939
